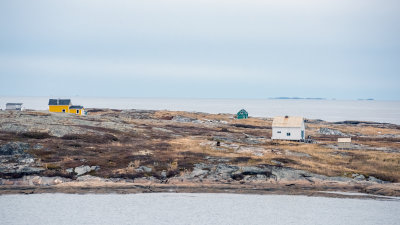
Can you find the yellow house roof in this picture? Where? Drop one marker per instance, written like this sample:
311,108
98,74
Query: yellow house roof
287,121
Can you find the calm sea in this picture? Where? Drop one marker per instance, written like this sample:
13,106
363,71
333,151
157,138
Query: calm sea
329,110
167,208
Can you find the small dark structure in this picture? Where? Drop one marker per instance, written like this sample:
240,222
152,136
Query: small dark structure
14,106
242,114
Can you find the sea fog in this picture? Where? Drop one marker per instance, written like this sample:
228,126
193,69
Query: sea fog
329,110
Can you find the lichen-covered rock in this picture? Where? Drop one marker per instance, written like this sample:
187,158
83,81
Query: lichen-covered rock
360,177
183,119
375,180
14,148
80,170
198,173
89,178
143,169
12,170
328,131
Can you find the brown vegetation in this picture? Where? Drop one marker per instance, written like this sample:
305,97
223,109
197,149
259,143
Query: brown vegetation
159,142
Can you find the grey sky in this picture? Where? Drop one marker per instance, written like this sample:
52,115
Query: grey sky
343,49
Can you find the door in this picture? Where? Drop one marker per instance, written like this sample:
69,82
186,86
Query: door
302,134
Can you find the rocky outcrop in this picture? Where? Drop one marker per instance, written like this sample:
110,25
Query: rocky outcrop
143,169
376,180
80,170
89,178
225,172
14,148
59,124
34,181
183,119
16,162
328,131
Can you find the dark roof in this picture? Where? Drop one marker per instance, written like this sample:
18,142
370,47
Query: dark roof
14,104
76,107
59,101
242,111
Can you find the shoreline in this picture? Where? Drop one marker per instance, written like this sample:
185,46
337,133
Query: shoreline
331,192
96,185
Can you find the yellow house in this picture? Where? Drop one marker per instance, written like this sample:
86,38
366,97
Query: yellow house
77,109
65,106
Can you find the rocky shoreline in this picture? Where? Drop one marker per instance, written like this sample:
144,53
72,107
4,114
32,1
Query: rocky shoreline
94,185
133,151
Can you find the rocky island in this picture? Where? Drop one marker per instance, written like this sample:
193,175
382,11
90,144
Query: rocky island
136,151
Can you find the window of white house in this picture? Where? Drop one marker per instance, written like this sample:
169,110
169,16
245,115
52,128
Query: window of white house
278,132
287,134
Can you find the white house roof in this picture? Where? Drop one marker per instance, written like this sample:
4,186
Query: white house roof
344,140
287,121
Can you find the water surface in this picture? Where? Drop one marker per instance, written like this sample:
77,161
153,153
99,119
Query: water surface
329,110
172,208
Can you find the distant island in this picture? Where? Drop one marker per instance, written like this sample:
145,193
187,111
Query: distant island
298,98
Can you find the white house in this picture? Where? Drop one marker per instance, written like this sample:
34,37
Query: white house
288,128
14,106
344,143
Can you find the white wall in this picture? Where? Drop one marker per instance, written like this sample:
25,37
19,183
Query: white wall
13,107
295,133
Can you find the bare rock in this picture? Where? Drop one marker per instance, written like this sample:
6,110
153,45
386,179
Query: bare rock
89,178
183,119
143,169
14,148
328,131
198,173
375,180
80,170
358,177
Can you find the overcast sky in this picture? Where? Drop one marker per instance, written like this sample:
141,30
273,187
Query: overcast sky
343,49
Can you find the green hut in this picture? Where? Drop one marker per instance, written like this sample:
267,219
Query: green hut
242,114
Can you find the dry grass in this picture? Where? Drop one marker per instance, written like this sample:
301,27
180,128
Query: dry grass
321,160
341,162
118,153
